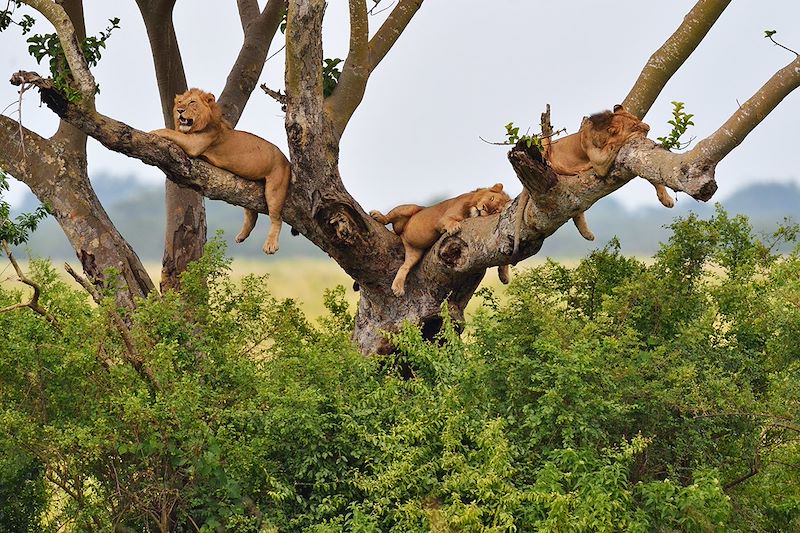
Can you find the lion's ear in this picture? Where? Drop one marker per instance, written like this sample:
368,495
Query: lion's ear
210,98
618,108
497,187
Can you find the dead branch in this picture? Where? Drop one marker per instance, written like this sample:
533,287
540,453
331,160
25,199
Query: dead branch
33,304
132,355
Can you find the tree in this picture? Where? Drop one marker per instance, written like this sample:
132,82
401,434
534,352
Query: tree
319,205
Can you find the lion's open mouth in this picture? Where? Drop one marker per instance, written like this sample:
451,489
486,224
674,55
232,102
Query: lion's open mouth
185,123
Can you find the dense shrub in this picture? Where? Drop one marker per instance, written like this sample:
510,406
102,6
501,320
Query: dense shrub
617,395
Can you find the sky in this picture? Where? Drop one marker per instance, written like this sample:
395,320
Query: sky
459,72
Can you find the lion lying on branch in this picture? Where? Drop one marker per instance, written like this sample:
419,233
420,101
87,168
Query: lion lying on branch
420,227
201,132
593,148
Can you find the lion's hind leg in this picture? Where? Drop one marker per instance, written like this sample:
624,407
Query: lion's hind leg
412,257
398,217
276,188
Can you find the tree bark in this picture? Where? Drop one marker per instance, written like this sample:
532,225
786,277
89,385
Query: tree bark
57,176
320,207
55,169
185,212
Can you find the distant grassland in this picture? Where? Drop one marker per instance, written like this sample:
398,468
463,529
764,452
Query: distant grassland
303,280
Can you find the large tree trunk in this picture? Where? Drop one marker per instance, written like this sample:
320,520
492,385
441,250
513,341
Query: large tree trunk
55,169
185,224
319,206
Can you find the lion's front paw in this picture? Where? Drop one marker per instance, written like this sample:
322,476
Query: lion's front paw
452,229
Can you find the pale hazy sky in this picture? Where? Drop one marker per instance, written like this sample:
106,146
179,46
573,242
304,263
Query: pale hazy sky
462,70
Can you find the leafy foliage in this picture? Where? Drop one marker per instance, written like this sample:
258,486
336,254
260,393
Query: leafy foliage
25,23
513,137
680,123
330,75
47,45
617,395
18,231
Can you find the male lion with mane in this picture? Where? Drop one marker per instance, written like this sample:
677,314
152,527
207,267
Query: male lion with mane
201,132
420,227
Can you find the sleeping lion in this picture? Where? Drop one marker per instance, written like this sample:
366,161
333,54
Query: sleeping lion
420,227
201,132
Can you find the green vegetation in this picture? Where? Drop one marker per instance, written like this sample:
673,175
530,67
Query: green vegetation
681,120
611,396
513,137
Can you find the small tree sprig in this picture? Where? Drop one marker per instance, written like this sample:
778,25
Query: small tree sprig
680,123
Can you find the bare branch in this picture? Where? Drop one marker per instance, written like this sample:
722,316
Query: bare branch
365,56
249,64
663,64
33,304
390,30
131,354
72,49
248,11
749,115
276,95
353,81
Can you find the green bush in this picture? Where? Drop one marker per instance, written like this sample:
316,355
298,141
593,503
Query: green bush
614,396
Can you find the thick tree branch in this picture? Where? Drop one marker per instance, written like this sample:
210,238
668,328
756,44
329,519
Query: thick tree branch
74,139
185,223
167,60
666,61
248,11
24,150
353,81
364,57
58,17
750,114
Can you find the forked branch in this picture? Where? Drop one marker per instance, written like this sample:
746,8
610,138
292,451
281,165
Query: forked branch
55,13
364,56
33,304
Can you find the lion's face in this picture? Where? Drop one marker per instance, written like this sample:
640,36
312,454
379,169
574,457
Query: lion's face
625,125
491,200
194,110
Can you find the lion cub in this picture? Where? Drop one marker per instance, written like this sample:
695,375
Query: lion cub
420,227
201,132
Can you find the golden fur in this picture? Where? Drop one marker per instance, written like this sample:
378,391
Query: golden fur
420,227
594,147
201,132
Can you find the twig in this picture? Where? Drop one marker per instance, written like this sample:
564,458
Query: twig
276,95
33,304
769,35
132,355
372,11
278,51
